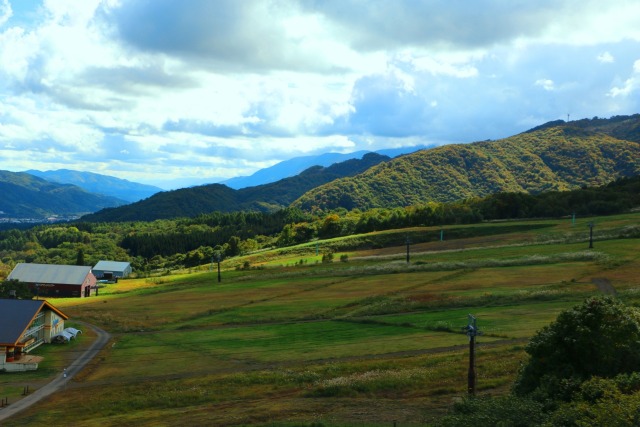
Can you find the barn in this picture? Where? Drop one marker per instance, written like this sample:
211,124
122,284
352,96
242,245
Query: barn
56,280
110,270
25,325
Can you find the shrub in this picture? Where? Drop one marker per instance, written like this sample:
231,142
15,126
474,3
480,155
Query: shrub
600,337
327,258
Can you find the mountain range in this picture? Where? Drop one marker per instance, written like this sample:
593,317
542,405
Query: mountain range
297,165
554,156
557,155
193,201
100,184
28,196
90,192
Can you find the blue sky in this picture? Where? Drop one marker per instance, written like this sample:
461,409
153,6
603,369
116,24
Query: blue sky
157,91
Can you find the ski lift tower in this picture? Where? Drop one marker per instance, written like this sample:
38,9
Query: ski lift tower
472,332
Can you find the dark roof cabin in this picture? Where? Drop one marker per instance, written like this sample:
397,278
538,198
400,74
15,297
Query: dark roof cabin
25,325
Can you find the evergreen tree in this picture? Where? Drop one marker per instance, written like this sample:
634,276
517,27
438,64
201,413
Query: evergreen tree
80,257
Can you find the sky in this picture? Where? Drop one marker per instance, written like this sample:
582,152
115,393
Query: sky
177,92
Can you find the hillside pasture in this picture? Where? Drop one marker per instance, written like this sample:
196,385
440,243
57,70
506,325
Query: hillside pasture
365,342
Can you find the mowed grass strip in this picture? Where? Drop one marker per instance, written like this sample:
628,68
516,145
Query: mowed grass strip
182,352
174,306
327,301
510,322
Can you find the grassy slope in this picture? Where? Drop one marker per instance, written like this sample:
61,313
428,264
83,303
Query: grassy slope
365,342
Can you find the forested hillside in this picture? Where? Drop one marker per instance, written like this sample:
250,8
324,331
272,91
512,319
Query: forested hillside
99,184
189,202
27,196
619,127
551,158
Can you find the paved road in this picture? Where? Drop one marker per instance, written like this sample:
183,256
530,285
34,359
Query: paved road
59,382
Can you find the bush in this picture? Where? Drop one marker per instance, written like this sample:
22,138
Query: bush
599,402
600,337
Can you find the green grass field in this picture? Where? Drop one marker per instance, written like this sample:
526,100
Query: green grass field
365,342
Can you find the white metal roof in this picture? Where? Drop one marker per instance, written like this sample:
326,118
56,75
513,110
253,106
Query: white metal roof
50,273
111,266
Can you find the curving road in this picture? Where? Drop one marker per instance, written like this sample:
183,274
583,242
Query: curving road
60,381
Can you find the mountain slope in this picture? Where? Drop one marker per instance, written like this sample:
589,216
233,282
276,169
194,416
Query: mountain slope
297,165
551,158
194,201
27,196
620,127
99,184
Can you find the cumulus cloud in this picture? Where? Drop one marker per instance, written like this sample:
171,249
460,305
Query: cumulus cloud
630,85
546,84
605,58
438,25
5,12
230,36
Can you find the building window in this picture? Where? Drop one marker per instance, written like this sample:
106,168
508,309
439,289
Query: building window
35,333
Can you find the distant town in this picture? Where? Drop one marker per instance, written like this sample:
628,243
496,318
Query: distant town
47,220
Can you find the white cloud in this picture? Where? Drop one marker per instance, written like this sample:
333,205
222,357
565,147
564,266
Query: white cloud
546,84
5,12
437,65
606,58
630,85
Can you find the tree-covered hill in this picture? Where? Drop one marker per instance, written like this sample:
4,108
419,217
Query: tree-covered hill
99,184
190,202
27,196
550,158
619,127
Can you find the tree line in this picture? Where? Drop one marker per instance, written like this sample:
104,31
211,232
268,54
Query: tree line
173,243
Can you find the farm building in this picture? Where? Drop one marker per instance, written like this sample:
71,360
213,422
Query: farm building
110,270
24,325
56,280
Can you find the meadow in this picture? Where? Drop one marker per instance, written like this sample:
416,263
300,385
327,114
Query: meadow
293,341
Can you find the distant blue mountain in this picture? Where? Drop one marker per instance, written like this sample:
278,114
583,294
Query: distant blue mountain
99,184
296,165
29,198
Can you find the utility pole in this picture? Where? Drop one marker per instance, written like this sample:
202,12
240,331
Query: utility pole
218,259
591,225
408,242
472,331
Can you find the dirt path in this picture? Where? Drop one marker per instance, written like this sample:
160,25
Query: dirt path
60,381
